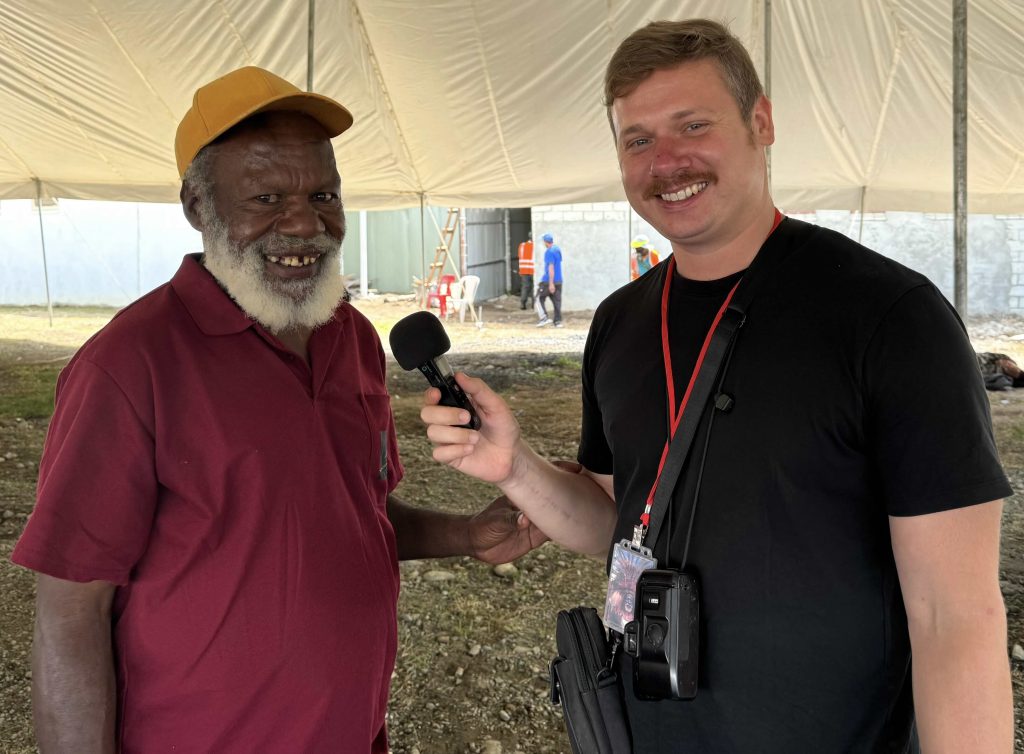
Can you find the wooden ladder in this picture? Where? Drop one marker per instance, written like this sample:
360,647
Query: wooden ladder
442,253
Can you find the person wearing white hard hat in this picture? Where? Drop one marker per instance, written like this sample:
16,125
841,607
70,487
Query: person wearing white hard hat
643,257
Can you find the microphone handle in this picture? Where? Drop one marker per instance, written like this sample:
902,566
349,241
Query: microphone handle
451,393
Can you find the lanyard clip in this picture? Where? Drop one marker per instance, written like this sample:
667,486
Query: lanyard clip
638,535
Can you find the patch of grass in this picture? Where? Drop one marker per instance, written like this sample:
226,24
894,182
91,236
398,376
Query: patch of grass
27,391
562,367
1016,433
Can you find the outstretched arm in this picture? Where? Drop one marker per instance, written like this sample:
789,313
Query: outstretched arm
73,688
948,566
577,510
499,533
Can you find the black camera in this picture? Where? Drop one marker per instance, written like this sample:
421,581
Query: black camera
663,640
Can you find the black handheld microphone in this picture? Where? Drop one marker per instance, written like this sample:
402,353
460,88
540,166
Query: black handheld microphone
420,342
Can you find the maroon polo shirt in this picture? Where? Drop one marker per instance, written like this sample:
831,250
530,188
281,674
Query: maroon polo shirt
237,498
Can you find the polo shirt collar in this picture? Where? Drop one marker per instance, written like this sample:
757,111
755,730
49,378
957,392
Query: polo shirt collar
210,306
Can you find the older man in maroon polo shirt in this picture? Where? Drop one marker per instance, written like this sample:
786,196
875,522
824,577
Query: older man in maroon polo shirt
214,534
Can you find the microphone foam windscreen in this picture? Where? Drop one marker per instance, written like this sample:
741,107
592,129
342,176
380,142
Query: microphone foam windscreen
417,339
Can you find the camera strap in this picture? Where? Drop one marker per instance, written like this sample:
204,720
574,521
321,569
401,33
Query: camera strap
706,379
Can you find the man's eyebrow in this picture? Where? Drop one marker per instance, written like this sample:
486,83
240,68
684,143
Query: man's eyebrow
635,128
640,128
681,114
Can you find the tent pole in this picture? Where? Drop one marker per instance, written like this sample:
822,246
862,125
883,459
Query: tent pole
960,156
860,229
768,76
423,251
507,223
463,266
311,20
629,239
364,276
42,243
138,250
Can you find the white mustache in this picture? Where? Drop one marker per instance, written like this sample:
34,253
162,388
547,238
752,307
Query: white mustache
278,244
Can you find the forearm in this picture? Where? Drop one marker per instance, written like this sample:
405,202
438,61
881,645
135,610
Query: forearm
73,687
426,533
569,507
962,692
576,510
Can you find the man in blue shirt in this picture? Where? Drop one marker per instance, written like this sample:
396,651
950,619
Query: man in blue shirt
550,283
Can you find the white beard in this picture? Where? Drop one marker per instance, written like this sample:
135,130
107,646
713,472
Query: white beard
275,303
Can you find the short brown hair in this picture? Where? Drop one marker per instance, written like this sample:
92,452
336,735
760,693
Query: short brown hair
666,44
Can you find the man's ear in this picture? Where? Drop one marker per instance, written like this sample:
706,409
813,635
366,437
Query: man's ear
763,127
190,206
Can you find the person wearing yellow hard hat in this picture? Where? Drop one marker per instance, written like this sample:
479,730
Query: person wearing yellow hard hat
643,256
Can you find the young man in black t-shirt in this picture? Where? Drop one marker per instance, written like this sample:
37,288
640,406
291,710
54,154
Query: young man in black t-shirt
846,515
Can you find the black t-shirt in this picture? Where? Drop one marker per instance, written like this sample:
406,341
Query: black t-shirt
857,397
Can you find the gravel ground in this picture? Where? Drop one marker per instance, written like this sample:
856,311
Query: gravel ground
475,641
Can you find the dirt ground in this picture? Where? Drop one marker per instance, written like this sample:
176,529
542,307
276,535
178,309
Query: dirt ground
471,674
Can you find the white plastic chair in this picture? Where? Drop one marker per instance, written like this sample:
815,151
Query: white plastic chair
463,293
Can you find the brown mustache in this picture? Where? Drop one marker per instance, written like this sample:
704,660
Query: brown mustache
678,180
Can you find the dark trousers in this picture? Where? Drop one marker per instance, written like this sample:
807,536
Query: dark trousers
556,300
525,290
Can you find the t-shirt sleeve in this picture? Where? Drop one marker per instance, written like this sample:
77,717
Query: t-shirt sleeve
928,419
97,489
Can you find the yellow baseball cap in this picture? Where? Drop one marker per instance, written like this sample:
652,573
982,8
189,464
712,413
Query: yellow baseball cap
227,101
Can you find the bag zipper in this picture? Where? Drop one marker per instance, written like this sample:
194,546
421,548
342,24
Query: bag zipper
585,647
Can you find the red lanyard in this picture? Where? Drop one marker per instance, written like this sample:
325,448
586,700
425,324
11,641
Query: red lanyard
675,414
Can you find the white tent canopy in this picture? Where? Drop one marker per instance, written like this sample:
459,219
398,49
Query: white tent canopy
495,103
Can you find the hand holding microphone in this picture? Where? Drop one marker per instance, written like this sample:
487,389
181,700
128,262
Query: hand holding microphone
488,453
420,342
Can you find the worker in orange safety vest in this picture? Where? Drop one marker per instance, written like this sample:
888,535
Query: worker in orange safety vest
526,271
642,258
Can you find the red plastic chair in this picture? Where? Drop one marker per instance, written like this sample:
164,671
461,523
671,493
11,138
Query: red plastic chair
441,294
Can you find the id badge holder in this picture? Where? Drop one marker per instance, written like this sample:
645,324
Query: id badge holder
629,560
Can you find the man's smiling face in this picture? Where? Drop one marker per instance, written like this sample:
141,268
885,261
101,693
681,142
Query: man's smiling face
273,224
691,165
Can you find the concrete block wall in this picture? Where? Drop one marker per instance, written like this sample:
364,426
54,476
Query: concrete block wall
1015,242
594,239
110,253
924,242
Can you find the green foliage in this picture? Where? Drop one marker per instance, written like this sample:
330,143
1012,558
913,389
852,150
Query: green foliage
27,391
